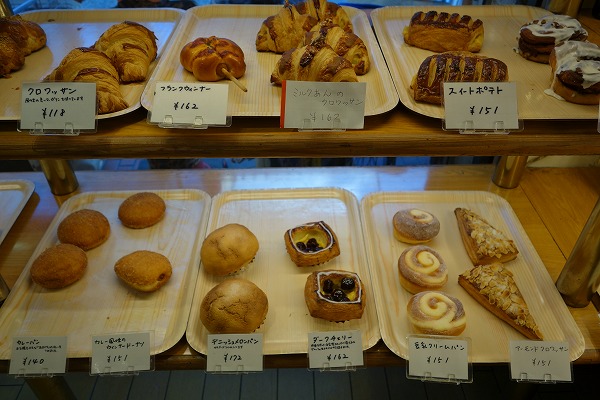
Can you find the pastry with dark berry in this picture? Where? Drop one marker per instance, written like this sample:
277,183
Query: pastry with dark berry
311,244
334,295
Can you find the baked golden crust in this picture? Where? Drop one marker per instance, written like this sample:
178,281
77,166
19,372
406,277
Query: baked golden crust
144,270
234,306
576,72
284,31
142,210
422,268
322,10
413,225
18,39
335,295
436,313
454,66
494,287
311,244
84,228
484,243
59,266
228,249
207,57
441,31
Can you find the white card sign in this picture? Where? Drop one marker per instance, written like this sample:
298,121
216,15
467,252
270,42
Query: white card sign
323,105
189,104
122,352
339,349
39,355
58,106
472,107
540,361
234,353
438,358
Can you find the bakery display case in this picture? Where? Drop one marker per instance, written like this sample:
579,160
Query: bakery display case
358,200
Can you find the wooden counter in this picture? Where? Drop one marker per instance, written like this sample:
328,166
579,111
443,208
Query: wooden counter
552,226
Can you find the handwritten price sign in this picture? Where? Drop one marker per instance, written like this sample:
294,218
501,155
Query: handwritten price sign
234,353
339,349
540,361
45,355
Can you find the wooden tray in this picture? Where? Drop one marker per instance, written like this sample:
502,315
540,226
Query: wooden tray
241,23
67,29
489,335
14,194
501,24
100,303
269,214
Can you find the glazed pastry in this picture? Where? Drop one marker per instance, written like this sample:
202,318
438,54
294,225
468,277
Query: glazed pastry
344,43
436,313
494,287
59,266
18,39
284,30
84,228
441,31
576,72
311,244
142,210
484,243
85,64
144,270
228,250
316,62
422,268
131,48
454,66
212,59
334,295
538,37
413,225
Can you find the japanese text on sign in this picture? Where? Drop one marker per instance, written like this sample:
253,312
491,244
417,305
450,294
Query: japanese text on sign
339,349
540,361
438,358
38,355
121,352
234,353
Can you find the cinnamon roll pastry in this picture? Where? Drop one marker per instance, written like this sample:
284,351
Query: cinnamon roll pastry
422,268
576,72
436,313
538,37
413,225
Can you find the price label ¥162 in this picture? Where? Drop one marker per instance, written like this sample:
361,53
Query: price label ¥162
339,349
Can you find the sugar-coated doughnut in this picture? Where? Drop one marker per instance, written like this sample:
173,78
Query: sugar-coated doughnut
422,268
84,228
144,270
142,210
436,313
59,266
413,225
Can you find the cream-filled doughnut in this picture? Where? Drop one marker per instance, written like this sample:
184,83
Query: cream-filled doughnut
413,225
436,313
422,268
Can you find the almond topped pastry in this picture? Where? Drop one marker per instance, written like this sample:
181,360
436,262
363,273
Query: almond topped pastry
494,287
484,243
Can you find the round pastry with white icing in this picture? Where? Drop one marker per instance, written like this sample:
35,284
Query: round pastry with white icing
436,313
538,37
422,268
413,226
576,72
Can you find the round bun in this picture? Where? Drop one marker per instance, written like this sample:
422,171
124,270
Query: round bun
414,226
144,270
235,305
59,266
84,228
334,295
422,268
228,249
575,75
436,313
207,57
142,210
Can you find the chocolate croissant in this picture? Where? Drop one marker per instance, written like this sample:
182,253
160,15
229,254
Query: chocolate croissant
284,30
85,64
454,66
206,58
314,62
131,48
345,44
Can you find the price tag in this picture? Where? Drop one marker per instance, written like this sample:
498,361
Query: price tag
189,104
323,105
123,352
234,353
44,355
58,106
540,361
438,358
477,106
339,349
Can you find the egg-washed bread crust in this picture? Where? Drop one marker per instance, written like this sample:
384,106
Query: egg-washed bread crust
494,287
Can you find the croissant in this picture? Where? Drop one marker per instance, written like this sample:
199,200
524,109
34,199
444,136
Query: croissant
18,39
323,10
345,44
284,30
131,48
12,56
313,62
85,64
454,66
206,58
